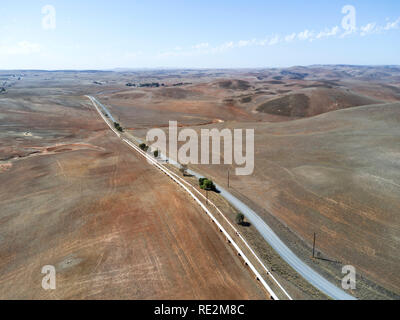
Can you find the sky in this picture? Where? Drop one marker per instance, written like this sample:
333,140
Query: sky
103,34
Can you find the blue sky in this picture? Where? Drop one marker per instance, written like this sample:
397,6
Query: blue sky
196,34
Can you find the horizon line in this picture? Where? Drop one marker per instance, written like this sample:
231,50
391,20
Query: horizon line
123,69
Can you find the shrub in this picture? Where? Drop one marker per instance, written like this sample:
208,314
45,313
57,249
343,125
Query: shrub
118,127
207,184
201,181
156,154
239,218
143,146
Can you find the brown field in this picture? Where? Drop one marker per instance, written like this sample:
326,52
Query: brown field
73,196
327,146
324,175
334,174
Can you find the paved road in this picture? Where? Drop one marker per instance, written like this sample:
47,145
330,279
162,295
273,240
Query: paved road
275,242
286,254
296,263
103,107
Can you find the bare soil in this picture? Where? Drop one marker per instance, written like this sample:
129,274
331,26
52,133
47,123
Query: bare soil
111,224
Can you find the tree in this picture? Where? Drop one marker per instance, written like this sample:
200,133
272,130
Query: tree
143,146
156,153
207,184
239,218
118,127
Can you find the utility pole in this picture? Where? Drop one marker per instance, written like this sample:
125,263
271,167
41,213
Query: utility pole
313,248
228,178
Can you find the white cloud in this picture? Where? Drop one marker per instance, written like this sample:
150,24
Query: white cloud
348,32
274,40
244,43
392,25
21,48
223,47
203,45
368,29
305,35
328,33
263,42
374,28
290,37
